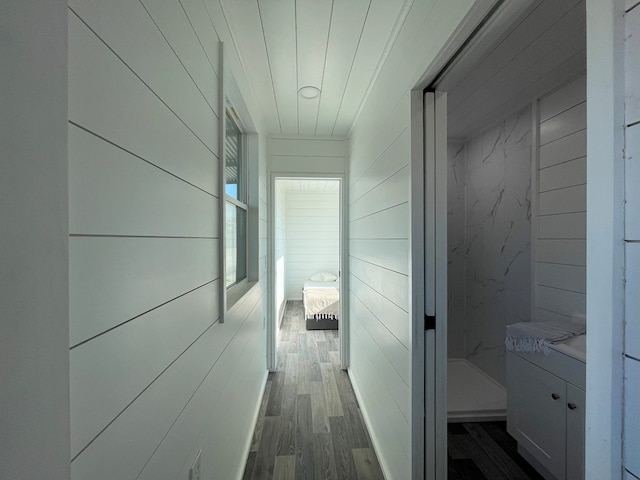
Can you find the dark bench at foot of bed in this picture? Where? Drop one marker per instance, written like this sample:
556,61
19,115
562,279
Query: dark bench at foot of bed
322,324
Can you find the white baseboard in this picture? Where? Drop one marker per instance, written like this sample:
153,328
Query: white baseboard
249,439
281,313
367,423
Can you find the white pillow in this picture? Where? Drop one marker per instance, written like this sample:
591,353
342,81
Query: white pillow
317,277
323,277
329,277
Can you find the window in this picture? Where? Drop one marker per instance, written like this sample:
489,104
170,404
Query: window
236,209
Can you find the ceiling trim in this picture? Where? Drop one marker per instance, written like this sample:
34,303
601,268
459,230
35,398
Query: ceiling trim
332,138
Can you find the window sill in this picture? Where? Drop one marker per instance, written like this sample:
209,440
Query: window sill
237,291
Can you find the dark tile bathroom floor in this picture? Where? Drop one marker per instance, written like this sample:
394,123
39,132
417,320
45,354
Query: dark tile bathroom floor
485,450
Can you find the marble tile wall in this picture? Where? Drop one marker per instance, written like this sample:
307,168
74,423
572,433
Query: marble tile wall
456,250
491,261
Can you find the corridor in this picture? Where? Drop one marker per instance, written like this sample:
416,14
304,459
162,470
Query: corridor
310,425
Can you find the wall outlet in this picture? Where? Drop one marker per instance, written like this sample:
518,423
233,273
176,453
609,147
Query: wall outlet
194,471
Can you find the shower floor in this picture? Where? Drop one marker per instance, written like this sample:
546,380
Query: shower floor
473,396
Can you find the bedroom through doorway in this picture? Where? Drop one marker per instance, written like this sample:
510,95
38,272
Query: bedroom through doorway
306,266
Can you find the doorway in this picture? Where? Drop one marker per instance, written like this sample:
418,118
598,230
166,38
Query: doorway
307,258
499,268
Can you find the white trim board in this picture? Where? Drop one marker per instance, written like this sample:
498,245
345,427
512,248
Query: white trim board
343,325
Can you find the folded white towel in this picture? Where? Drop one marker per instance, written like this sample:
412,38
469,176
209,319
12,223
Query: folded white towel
537,336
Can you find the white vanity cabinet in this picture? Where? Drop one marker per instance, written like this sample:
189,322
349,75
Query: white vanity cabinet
545,411
575,432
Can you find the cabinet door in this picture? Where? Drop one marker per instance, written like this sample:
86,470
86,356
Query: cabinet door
536,412
575,433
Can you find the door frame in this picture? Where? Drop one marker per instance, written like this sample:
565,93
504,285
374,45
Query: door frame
272,314
429,277
495,13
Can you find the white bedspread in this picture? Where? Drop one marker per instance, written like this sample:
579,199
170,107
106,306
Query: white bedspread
321,298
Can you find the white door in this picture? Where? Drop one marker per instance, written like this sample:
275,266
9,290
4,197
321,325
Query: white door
435,283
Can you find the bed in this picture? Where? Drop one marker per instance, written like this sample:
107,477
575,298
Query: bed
321,302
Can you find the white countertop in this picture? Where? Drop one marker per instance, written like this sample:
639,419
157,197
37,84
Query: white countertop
575,347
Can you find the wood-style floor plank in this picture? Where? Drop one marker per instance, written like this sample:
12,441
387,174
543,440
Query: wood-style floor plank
356,432
323,352
504,465
274,405
285,467
345,465
294,437
286,435
291,375
319,409
304,382
485,450
324,463
315,374
248,469
366,463
303,351
266,454
257,433
304,439
331,395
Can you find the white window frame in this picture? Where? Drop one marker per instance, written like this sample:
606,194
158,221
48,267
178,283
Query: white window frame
243,190
230,99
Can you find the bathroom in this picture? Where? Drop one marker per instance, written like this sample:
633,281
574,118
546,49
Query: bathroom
516,207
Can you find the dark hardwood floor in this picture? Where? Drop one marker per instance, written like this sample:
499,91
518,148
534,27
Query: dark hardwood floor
479,451
310,425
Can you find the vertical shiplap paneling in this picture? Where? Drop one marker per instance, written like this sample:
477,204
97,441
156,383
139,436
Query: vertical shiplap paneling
313,237
562,176
631,427
154,376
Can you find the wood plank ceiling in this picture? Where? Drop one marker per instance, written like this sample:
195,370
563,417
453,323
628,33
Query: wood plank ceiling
309,185
334,45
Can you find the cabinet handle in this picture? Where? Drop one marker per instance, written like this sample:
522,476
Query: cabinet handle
572,406
555,396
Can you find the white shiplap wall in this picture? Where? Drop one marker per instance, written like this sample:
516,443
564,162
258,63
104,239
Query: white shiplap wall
307,155
380,327
379,230
280,248
312,236
155,377
561,203
308,158
631,442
